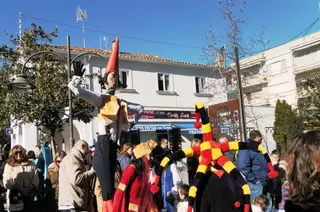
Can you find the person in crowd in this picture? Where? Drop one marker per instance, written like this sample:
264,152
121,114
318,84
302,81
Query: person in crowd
275,157
125,155
133,192
179,200
253,166
53,173
193,162
31,155
260,204
21,179
230,155
303,172
158,153
40,164
74,179
273,186
2,189
170,180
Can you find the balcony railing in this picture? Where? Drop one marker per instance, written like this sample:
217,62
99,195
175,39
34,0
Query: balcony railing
308,61
253,83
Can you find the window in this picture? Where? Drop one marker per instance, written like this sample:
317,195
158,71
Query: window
277,67
163,82
125,77
200,84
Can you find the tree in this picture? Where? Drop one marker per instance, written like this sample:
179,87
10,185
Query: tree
309,92
220,52
4,116
288,124
295,126
49,75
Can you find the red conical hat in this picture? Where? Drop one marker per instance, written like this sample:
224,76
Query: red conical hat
113,63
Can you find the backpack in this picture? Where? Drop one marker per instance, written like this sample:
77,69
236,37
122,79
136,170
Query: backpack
16,202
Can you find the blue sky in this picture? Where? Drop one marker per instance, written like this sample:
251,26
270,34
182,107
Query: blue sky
170,21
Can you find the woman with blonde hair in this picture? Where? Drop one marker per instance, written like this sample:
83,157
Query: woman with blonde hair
21,179
303,173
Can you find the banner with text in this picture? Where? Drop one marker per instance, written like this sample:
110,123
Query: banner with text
164,114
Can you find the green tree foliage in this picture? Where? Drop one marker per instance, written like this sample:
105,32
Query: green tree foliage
288,124
296,126
310,88
49,75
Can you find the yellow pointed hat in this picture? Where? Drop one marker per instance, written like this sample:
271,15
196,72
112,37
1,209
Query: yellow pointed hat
144,148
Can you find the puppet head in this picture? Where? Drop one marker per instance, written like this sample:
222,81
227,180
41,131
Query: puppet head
144,149
110,79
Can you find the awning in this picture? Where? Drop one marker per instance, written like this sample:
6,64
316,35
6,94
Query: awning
152,126
189,127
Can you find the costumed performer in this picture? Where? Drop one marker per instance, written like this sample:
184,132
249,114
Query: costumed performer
133,194
113,119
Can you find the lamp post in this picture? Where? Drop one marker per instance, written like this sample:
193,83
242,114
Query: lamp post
312,109
21,83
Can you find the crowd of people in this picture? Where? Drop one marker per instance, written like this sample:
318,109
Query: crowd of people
146,178
69,182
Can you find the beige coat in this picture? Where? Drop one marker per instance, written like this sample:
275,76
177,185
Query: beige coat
74,181
53,176
20,176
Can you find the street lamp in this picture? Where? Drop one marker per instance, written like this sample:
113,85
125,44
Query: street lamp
313,109
21,83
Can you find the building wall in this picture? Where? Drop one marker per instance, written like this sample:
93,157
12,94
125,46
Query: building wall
262,118
143,78
280,68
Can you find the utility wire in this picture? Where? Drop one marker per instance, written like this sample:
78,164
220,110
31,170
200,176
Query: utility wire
114,34
303,33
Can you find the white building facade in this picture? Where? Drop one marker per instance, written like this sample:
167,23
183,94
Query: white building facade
167,89
276,73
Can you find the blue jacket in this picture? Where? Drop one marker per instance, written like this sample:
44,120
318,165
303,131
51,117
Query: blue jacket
252,165
124,161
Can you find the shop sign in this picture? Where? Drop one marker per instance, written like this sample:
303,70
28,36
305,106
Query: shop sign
164,114
194,132
151,127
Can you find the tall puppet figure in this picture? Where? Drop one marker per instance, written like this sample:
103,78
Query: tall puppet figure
113,119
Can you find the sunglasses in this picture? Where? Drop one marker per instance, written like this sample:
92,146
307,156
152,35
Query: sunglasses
58,161
18,153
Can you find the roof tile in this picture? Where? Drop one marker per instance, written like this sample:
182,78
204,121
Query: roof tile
131,55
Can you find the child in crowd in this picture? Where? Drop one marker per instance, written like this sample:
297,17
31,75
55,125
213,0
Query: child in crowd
260,204
179,200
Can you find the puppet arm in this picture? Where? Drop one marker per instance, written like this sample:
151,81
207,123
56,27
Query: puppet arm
187,152
234,146
88,96
231,169
200,174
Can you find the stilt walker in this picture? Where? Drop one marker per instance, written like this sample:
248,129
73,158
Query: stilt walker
113,119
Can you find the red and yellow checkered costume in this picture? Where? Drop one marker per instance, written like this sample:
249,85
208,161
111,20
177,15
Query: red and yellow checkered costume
211,158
